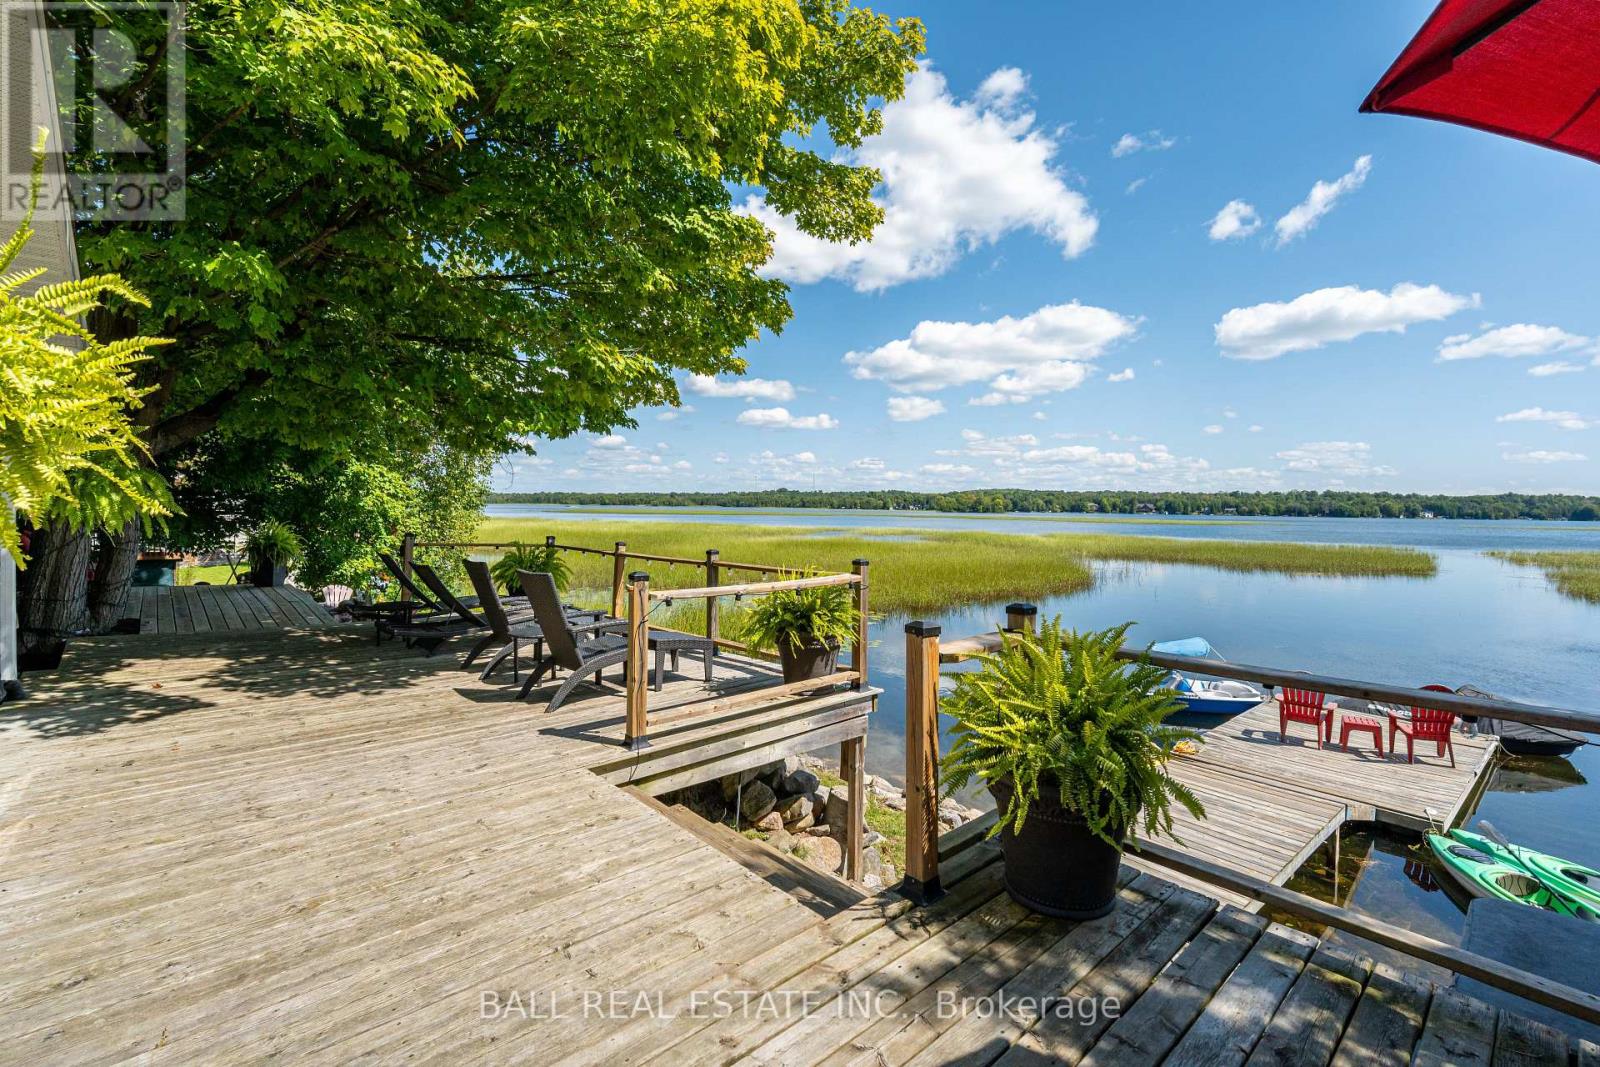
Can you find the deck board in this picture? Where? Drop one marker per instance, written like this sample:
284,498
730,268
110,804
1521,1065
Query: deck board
214,609
295,845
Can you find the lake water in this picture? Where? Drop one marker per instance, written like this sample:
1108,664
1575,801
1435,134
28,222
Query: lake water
1479,621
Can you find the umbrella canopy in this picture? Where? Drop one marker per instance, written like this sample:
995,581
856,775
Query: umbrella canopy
1523,68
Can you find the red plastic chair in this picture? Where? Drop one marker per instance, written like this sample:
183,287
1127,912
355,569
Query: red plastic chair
1304,705
1425,724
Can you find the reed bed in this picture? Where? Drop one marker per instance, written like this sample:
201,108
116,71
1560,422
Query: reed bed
924,570
1576,574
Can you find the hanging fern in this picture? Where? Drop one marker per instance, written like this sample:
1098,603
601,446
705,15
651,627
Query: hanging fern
1060,709
68,449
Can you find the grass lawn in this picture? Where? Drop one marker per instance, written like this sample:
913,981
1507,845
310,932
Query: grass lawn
923,570
218,574
1577,574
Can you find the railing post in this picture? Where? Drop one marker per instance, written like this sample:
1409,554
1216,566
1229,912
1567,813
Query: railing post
858,654
853,769
408,548
638,668
713,611
619,569
1021,618
921,883
549,540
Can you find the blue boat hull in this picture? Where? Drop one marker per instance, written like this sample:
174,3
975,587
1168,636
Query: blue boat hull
1203,705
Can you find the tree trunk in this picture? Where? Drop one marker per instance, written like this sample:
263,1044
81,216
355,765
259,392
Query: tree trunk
113,571
55,603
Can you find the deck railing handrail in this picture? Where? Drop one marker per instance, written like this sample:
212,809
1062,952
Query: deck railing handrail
924,654
1407,696
817,581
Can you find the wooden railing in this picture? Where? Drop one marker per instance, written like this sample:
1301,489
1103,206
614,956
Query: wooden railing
925,847
632,597
640,598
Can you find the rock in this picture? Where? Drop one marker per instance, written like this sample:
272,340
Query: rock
732,782
771,822
819,830
801,781
805,822
872,866
782,840
896,802
870,838
878,783
838,809
755,801
951,813
822,853
792,808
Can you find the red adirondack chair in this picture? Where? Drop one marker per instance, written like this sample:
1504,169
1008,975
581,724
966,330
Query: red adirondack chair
1304,705
1425,724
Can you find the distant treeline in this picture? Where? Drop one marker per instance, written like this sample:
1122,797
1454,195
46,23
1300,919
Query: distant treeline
993,501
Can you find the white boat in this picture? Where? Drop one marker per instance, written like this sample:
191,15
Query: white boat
1203,696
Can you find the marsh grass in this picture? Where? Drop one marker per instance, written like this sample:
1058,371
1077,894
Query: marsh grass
924,570
1577,574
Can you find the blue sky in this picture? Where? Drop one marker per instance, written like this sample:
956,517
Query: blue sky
1155,246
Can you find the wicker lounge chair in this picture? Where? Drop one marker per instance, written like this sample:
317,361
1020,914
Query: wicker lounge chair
508,633
587,650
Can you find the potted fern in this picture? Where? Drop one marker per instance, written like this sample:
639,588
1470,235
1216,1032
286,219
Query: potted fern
270,548
805,626
521,557
1073,744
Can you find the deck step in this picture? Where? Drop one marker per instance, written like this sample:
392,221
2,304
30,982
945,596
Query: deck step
818,890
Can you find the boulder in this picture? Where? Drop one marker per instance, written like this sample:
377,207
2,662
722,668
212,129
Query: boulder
819,830
794,808
822,853
896,802
731,783
873,868
771,823
838,809
805,822
782,840
755,801
801,781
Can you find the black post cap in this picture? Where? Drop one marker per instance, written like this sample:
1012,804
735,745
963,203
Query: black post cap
639,576
713,552
549,539
923,629
1021,609
859,562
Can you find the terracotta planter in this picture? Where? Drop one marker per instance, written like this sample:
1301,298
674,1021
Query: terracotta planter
814,659
1056,866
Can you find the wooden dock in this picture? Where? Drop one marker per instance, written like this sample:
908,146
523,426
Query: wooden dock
206,609
1271,804
297,846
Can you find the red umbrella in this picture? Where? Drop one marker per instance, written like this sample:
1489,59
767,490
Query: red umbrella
1523,68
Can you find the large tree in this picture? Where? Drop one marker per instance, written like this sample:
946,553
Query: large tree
413,222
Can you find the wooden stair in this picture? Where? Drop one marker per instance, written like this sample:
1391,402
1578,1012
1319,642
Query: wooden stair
816,889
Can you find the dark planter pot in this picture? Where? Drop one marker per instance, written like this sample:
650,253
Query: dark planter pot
1056,866
262,574
811,660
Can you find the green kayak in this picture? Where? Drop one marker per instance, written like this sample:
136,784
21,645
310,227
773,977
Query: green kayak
1574,881
1484,869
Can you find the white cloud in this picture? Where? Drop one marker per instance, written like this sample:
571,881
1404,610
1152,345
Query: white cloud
741,388
1511,342
610,440
1153,141
1311,320
1123,375
914,408
1560,366
670,414
867,463
780,419
1540,455
1256,427
1305,215
1567,420
1236,219
957,175
1019,358
1213,429
946,469
1019,460
1135,185
1345,458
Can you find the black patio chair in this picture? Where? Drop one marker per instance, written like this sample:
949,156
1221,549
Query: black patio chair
508,633
589,649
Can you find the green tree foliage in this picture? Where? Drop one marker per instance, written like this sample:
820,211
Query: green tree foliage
68,447
473,224
1298,503
1059,710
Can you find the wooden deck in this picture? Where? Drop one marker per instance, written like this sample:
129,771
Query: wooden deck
207,609
296,846
1270,805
